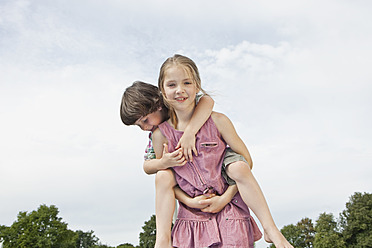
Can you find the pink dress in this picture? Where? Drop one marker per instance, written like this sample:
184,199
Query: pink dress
233,226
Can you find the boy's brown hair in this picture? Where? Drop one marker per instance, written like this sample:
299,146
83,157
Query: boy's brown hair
139,100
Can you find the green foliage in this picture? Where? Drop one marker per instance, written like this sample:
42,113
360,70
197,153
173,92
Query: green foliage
307,232
44,229
85,239
41,228
327,235
102,246
356,221
148,236
354,229
300,235
292,234
126,245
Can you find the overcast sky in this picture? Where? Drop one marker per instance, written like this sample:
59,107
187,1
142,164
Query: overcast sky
295,78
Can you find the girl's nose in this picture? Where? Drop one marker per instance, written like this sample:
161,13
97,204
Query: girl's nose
180,89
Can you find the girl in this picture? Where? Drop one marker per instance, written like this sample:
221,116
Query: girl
142,105
179,82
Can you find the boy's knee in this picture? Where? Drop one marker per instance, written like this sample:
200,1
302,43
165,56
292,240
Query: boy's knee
165,178
238,170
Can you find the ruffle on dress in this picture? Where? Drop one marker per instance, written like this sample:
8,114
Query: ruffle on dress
238,233
195,233
229,233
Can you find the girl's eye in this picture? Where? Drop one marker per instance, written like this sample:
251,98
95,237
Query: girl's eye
171,85
145,121
188,83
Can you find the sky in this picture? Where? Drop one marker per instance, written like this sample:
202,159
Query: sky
294,77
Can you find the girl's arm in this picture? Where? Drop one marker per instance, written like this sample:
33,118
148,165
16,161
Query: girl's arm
229,134
201,114
164,159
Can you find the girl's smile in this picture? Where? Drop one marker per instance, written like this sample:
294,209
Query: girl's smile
181,99
179,88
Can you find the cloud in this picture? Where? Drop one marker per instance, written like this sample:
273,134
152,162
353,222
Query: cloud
292,113
294,79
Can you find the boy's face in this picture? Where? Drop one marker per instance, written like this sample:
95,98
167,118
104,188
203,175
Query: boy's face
150,121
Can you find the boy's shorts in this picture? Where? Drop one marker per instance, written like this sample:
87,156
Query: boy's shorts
230,157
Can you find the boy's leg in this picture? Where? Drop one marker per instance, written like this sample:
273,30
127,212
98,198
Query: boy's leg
164,207
252,195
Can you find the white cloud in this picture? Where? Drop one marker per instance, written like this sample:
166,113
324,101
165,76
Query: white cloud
294,78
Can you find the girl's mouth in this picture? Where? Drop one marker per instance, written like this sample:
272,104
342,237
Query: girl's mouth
181,99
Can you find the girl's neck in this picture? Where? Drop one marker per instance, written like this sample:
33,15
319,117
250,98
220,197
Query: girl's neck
184,118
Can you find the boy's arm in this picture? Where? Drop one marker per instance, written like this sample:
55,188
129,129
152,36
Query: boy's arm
201,114
164,159
151,166
195,202
185,198
229,134
209,204
216,203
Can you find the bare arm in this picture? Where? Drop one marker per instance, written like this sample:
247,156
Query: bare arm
210,204
229,134
188,200
201,114
151,166
217,203
164,159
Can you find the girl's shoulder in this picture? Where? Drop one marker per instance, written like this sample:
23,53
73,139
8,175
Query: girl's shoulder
220,120
219,117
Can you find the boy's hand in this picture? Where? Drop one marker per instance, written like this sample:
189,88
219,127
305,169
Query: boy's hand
214,204
173,159
197,202
187,144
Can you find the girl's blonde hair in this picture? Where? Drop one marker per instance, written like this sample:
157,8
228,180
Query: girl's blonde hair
191,69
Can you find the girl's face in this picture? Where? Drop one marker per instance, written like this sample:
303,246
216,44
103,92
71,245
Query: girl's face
179,88
150,121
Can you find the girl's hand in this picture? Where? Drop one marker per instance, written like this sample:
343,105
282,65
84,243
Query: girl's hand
214,204
187,144
173,159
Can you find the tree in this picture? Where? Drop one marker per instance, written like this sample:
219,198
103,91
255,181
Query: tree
356,221
292,234
100,245
126,245
300,235
86,239
307,232
148,236
41,228
327,235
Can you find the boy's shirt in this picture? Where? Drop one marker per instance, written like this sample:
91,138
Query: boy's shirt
149,151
